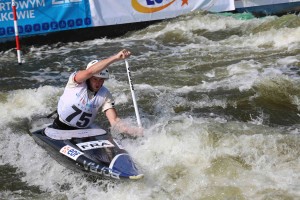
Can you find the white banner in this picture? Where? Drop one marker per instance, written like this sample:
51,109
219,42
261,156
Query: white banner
219,5
109,12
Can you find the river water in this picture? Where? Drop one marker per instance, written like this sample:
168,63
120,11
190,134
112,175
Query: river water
219,97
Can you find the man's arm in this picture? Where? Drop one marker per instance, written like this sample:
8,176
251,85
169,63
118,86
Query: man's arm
112,116
83,75
121,126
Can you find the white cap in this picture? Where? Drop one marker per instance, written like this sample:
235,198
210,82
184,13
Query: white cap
103,74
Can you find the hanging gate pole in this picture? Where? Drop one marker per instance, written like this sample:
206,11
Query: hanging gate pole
13,3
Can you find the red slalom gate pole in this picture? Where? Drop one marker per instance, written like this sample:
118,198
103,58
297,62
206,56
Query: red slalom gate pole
13,3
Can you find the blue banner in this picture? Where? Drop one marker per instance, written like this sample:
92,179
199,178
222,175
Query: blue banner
42,16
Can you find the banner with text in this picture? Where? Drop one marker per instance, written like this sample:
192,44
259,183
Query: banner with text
44,16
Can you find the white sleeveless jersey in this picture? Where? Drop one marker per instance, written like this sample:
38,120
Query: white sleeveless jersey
76,109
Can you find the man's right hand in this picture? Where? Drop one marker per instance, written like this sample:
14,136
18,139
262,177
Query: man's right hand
123,54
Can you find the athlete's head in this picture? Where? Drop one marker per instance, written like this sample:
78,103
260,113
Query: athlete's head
96,81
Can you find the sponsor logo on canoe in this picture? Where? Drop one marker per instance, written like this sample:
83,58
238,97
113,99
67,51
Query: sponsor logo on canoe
94,144
151,6
92,167
70,152
118,144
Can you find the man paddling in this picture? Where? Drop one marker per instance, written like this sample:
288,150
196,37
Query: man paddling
85,94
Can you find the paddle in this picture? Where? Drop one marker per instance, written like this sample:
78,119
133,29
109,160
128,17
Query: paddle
51,114
133,95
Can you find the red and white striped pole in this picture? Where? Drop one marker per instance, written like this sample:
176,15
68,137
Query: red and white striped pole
13,3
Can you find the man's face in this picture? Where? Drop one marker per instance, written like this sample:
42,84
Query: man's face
96,83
